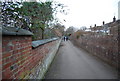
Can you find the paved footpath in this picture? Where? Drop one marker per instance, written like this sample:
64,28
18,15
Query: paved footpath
74,63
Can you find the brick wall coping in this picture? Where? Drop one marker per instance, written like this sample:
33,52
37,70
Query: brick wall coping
41,42
15,31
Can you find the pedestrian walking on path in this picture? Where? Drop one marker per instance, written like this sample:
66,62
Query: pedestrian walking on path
64,38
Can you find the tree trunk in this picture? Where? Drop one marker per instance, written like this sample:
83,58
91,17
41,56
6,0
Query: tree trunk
42,33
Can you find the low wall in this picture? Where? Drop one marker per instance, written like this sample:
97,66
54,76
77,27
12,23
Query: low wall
22,61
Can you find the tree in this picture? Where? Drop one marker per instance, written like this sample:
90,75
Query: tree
11,15
33,16
59,27
70,30
83,28
39,13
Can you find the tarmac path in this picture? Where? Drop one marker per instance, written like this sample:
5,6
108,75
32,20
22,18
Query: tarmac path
74,63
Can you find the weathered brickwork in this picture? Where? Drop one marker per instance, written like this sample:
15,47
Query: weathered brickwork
18,57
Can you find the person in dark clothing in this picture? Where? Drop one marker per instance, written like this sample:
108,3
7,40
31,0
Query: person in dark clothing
64,38
67,38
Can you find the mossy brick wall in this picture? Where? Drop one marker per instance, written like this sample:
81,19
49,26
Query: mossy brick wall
18,57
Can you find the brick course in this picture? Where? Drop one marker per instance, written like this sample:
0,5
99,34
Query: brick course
18,57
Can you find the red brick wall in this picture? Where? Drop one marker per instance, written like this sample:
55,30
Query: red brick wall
18,57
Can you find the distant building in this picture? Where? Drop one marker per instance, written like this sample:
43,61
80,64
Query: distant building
119,10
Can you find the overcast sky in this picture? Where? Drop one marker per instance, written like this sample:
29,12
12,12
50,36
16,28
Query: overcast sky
89,12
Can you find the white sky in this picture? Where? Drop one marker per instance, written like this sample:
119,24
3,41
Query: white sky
88,12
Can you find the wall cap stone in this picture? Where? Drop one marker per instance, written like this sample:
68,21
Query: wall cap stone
15,31
41,42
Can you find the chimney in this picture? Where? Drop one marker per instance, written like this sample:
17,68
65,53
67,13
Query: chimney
90,26
114,19
103,22
95,25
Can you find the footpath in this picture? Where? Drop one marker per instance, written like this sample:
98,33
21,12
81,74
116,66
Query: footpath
75,63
